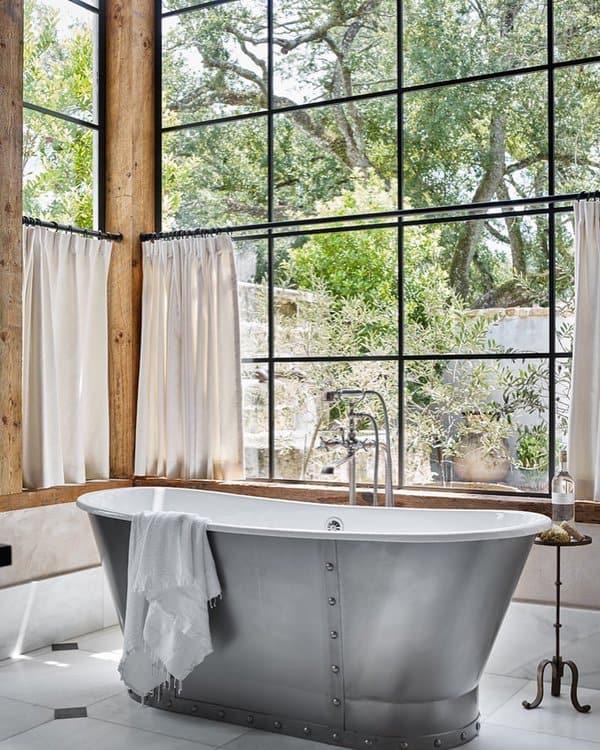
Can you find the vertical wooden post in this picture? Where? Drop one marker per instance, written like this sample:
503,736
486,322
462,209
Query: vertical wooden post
11,147
130,128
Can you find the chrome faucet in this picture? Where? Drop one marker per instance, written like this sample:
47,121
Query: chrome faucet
349,440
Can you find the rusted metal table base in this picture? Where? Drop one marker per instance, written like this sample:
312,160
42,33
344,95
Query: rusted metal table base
557,663
558,668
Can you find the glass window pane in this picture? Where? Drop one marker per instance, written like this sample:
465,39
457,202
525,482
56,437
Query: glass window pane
58,170
577,117
332,49
251,259
337,159
255,380
476,142
168,5
448,39
565,282
302,417
476,286
576,24
336,294
215,174
60,50
214,62
477,424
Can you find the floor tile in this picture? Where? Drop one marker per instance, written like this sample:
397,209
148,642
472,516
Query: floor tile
527,636
554,716
495,690
123,710
16,717
59,679
494,737
91,734
109,639
255,740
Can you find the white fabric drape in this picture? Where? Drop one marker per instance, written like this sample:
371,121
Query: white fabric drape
65,358
584,417
189,419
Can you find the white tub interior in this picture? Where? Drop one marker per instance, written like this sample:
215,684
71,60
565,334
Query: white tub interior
255,515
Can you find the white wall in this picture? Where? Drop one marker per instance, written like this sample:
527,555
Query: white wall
580,573
55,588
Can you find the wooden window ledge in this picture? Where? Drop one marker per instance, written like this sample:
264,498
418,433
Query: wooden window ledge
585,511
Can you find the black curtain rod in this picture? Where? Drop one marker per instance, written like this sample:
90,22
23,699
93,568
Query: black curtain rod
399,213
29,221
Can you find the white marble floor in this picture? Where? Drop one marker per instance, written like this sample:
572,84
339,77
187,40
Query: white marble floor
32,686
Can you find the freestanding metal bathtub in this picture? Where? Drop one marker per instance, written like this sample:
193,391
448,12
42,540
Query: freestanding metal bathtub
350,625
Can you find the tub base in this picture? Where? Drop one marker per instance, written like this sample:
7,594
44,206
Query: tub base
167,700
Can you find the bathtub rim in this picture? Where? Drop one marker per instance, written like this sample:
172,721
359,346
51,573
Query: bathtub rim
531,524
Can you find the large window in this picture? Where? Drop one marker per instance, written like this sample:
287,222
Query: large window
63,116
345,143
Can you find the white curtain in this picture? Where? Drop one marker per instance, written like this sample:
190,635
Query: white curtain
189,418
584,417
65,358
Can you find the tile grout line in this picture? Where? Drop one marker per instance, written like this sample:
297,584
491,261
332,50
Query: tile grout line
510,697
154,731
24,731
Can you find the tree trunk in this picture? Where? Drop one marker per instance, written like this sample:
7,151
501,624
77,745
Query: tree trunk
469,237
515,237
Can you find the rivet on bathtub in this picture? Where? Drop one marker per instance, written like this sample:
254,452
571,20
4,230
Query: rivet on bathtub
277,724
463,735
331,600
249,719
437,743
221,714
306,730
336,701
335,737
333,634
334,668
329,566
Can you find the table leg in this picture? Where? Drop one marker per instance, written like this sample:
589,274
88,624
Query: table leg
574,682
558,669
540,685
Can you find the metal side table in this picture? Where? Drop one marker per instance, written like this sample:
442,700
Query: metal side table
557,663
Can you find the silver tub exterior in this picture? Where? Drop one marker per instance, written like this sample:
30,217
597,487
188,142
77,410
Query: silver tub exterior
354,643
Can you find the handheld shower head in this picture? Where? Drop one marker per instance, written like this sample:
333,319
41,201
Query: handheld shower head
343,393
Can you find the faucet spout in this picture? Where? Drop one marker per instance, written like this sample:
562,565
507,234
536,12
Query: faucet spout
330,468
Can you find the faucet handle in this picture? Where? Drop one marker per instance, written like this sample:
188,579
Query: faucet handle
329,442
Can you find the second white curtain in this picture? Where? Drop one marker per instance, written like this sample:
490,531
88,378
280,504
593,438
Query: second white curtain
65,358
584,416
189,419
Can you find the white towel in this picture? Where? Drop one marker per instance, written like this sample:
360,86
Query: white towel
171,581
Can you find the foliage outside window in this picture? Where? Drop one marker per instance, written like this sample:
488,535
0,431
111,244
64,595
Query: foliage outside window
62,123
281,110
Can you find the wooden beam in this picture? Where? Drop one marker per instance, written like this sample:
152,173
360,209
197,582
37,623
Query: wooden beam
54,495
585,511
130,136
11,147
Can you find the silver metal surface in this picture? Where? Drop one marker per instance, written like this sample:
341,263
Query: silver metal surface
396,659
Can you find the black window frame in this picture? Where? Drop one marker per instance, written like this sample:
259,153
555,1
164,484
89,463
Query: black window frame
549,205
